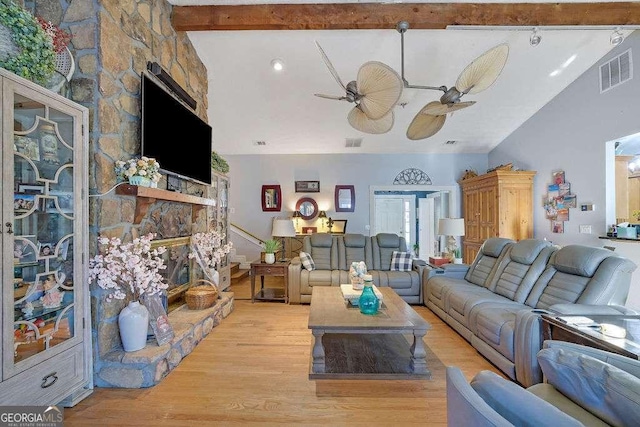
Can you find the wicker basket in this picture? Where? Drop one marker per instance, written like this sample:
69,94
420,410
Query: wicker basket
201,297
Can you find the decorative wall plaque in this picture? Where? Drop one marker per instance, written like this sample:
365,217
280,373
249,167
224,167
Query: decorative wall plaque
412,176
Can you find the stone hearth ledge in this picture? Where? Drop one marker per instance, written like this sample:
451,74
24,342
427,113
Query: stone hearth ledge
147,367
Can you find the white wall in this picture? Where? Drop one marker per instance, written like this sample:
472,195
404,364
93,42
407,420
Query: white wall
569,134
249,172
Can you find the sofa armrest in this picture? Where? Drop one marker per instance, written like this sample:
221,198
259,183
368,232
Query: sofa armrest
294,280
419,266
586,309
465,407
527,343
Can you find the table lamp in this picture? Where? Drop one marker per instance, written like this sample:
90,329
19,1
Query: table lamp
451,227
283,228
296,217
322,216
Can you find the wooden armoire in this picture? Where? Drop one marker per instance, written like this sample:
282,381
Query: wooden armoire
496,204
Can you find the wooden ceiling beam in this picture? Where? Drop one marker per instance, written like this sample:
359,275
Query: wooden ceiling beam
431,16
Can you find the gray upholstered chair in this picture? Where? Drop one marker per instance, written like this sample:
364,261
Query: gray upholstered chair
584,386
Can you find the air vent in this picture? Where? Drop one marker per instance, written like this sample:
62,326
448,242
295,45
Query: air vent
616,71
261,143
450,142
353,142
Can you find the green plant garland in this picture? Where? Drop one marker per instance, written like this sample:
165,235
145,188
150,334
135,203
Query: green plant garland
218,163
36,60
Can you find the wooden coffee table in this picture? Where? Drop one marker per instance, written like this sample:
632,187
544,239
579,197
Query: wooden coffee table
349,344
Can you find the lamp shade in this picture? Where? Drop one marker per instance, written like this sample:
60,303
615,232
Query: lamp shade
322,214
296,214
283,228
451,227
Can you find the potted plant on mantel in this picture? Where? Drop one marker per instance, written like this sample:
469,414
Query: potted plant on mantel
143,171
271,246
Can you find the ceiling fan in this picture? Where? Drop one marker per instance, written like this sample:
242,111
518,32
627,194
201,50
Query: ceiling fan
478,76
375,92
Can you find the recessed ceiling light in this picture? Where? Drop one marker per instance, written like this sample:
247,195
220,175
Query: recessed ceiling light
277,64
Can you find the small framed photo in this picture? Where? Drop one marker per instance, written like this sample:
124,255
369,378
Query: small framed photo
570,201
23,202
309,230
557,226
45,249
563,214
558,177
31,188
307,186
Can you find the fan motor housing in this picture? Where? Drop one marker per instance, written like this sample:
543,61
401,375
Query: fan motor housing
451,96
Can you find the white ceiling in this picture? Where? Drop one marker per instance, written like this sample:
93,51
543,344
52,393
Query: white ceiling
249,102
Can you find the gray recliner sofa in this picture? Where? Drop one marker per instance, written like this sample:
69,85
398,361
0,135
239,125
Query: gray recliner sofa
584,387
496,306
333,255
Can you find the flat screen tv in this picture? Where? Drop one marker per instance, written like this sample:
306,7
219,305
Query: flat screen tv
174,135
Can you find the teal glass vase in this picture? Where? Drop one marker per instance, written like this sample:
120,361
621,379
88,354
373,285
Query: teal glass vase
368,302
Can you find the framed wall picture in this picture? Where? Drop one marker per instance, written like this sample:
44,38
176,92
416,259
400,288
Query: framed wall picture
309,230
339,226
271,198
307,186
345,198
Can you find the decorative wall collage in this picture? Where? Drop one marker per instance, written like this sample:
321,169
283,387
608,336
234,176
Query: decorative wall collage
558,201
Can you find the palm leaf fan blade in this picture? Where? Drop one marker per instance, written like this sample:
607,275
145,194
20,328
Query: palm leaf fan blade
438,109
380,87
330,66
483,71
359,120
425,125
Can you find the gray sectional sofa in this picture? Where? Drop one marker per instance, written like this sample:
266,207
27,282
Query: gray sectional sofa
496,303
333,255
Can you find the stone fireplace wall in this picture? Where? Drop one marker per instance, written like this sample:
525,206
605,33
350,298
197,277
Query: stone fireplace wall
112,40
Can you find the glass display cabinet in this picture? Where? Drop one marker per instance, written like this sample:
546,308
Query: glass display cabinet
46,354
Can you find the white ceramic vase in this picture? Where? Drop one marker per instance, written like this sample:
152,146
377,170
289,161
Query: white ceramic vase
133,322
214,276
269,258
457,260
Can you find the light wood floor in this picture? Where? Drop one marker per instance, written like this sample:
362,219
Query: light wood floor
252,369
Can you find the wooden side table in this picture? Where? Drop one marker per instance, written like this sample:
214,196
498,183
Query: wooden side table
279,268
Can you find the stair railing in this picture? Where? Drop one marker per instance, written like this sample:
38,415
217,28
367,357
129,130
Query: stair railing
246,235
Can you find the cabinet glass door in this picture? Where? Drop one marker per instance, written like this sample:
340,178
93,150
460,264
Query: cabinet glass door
43,307
223,188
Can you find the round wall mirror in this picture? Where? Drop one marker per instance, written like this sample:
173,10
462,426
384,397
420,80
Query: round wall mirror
307,207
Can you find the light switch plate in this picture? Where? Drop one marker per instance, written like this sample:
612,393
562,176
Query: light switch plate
586,229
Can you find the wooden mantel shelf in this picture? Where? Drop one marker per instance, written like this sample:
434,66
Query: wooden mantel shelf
146,196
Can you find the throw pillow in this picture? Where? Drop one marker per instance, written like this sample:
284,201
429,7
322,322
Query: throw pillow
609,393
401,261
516,404
307,261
